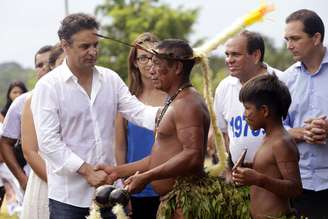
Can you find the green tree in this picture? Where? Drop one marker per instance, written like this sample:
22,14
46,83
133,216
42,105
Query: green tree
9,72
218,72
279,58
127,19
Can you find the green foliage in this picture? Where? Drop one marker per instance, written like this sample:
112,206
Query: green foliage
279,58
10,72
128,19
206,197
218,73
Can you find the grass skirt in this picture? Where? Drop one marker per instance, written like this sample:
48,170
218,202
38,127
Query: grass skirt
205,197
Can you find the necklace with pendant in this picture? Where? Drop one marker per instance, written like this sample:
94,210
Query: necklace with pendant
166,106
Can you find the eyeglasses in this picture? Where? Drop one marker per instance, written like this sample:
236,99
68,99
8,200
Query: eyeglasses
144,59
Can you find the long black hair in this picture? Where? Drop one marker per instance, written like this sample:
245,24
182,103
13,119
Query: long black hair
19,84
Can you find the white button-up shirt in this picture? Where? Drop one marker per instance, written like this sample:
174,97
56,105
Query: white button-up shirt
73,128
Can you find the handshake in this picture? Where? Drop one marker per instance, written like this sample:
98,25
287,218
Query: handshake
98,175
107,175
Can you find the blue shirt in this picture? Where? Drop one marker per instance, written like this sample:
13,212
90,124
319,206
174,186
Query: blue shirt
309,100
140,142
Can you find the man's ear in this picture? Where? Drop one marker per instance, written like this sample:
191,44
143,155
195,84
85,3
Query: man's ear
64,44
257,56
178,67
265,110
317,38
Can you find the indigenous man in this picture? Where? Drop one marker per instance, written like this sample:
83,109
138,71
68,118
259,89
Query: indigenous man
175,166
181,127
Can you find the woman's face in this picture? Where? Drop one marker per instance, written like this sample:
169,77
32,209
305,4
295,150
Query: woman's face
143,63
15,92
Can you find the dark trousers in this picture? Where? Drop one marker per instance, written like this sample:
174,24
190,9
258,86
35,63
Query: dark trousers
59,210
144,207
311,204
106,213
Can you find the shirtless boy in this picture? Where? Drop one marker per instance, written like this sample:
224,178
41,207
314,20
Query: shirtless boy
181,128
274,176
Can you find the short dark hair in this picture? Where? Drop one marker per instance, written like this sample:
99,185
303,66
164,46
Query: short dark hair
43,49
179,50
254,42
74,23
311,21
266,89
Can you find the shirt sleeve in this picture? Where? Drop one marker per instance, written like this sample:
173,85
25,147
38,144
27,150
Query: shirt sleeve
219,108
45,110
134,110
12,123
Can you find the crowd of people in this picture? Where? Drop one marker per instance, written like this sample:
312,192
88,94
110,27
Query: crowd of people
82,127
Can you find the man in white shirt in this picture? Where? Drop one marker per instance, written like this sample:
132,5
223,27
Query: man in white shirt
244,59
74,109
11,132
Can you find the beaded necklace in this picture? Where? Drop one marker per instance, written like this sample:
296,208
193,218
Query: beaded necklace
167,104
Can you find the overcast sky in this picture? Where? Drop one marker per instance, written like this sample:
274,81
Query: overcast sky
29,24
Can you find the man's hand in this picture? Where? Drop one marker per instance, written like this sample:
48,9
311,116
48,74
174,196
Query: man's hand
112,176
245,176
136,183
94,177
316,130
297,134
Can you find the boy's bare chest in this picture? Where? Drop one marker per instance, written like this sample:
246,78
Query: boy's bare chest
264,158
